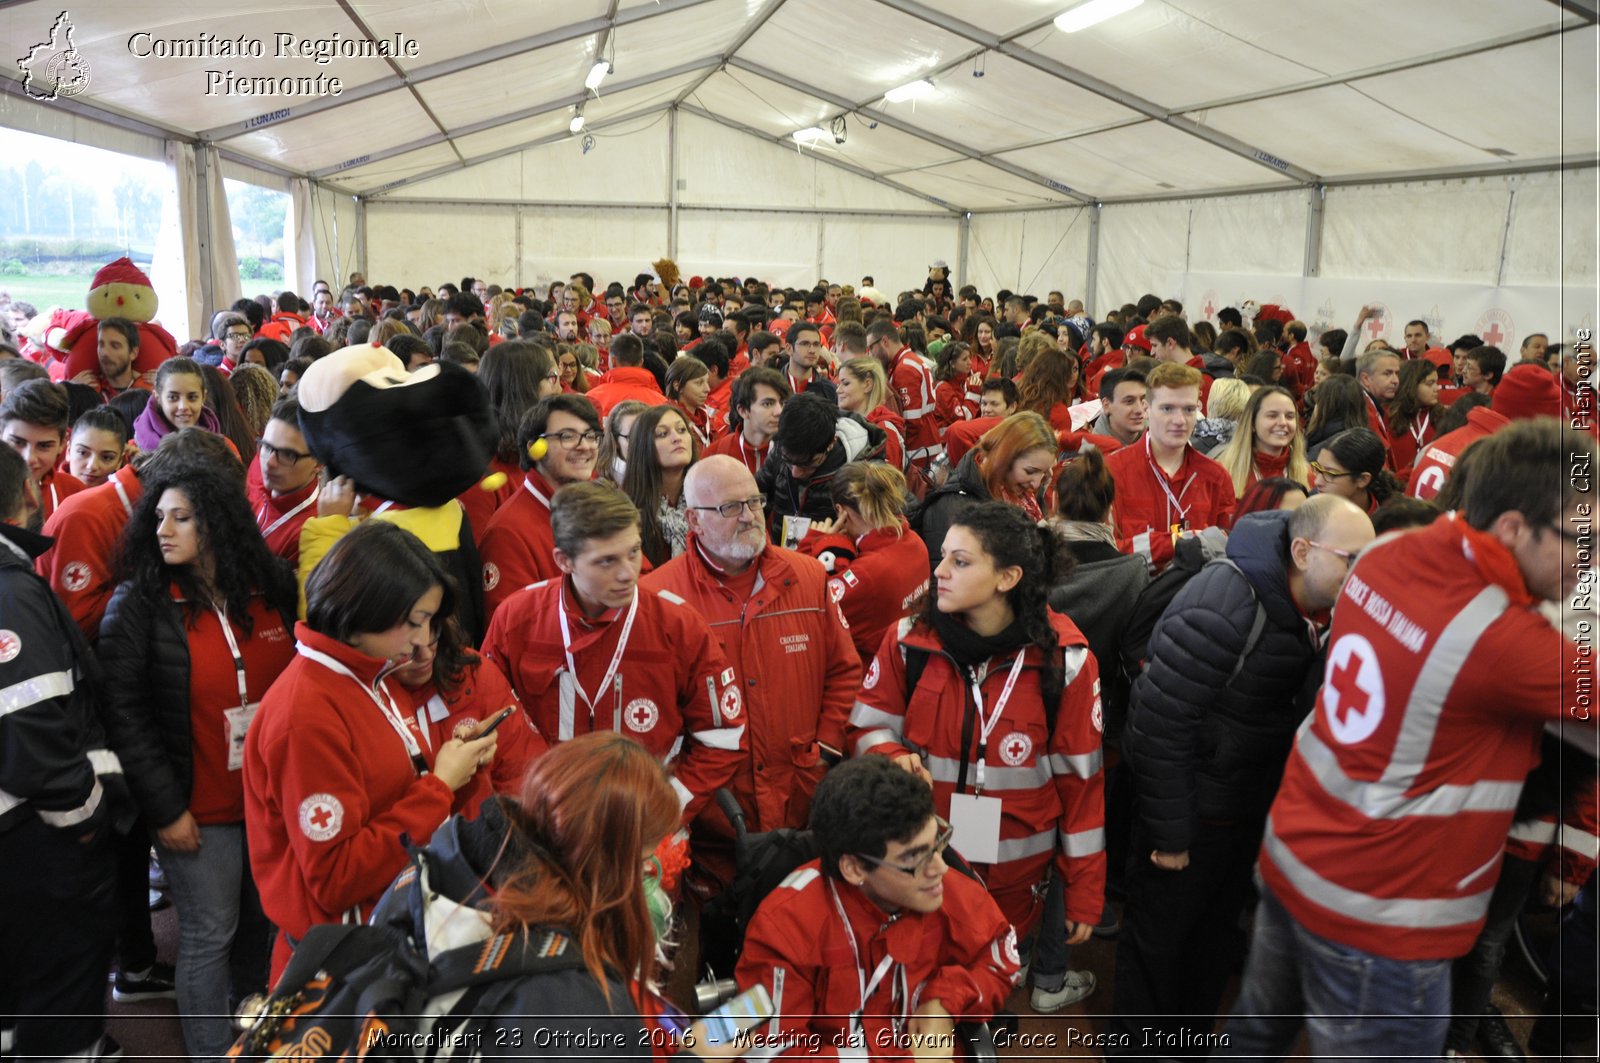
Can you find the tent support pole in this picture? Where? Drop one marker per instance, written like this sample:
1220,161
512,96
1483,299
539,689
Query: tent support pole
1505,239
822,236
361,235
672,183
202,175
1315,211
518,270
1091,277
966,240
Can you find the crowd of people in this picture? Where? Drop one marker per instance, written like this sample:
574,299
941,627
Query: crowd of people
1147,629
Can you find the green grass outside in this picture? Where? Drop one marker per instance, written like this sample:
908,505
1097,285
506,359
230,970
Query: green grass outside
44,290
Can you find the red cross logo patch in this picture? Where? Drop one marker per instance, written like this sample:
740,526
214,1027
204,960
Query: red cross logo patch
1014,749
75,577
10,646
321,816
641,715
491,575
1352,691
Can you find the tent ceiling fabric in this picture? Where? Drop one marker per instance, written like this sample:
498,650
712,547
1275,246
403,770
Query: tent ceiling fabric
1174,96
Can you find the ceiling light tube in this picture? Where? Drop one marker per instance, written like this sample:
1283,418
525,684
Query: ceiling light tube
1089,14
910,91
810,134
576,125
597,74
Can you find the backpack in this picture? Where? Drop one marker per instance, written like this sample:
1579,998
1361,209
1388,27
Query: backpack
1155,598
353,991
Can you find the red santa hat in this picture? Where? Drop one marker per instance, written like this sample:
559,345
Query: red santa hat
122,271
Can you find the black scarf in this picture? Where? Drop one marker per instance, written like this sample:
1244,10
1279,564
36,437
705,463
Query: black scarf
970,649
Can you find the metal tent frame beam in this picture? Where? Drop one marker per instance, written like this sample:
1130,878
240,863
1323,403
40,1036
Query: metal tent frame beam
848,167
894,122
1055,68
561,103
446,67
553,138
750,30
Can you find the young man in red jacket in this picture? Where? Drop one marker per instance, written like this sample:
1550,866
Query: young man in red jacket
1165,487
518,548
789,646
591,652
283,482
628,379
1385,841
758,395
874,950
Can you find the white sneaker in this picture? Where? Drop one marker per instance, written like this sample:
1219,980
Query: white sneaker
1076,986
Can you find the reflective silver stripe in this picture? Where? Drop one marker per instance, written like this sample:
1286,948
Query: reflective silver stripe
720,738
685,795
1084,842
1141,546
800,878
1456,643
1386,797
1032,845
1072,662
31,692
1083,765
875,738
8,802
947,769
76,815
1578,841
1380,800
711,696
864,715
1534,832
104,762
1407,913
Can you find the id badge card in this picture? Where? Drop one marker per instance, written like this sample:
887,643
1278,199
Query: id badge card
238,721
794,529
976,821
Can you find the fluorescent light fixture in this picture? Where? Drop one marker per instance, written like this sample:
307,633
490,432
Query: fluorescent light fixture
597,74
576,125
914,90
810,134
1095,11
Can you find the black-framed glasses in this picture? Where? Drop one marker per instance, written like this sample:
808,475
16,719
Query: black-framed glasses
941,842
283,454
1326,473
729,510
1349,556
569,438
240,336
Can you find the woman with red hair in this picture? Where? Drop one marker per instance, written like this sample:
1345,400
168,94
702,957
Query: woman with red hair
1011,463
531,868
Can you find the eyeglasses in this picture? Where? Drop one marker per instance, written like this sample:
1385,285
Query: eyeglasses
1326,473
283,454
241,336
569,438
1348,555
729,510
941,842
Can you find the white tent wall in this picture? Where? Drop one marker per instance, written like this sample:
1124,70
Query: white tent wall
1029,251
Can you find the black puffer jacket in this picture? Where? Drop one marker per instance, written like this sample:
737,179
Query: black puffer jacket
144,652
1202,746
856,439
1100,596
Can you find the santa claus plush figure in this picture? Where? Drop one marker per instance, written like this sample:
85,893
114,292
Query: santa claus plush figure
120,289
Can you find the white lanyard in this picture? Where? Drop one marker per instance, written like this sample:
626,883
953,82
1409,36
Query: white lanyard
380,697
238,658
703,436
261,514
1173,501
863,986
1419,428
986,726
616,658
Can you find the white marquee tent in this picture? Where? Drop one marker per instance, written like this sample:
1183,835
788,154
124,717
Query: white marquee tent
1425,153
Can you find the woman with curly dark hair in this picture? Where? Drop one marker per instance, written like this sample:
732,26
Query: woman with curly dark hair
195,634
1002,718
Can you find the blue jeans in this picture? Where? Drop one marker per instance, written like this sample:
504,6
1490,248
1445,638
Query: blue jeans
222,935
1354,1004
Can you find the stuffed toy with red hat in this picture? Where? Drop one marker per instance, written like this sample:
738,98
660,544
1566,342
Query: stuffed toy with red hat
120,289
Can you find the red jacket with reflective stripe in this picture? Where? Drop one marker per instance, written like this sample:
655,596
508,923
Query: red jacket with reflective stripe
875,579
673,690
81,565
1571,846
794,664
912,383
1439,457
1045,771
1144,516
1388,829
963,955
518,547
